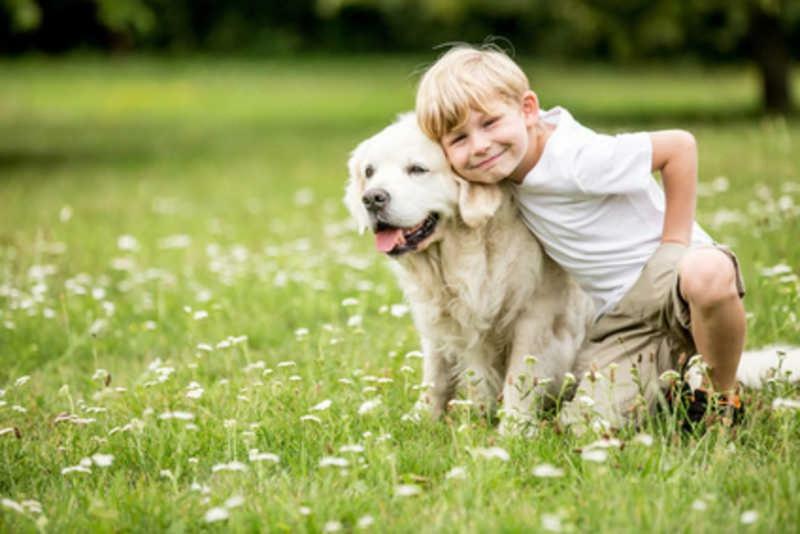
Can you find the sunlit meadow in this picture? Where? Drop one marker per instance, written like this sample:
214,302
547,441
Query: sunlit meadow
193,336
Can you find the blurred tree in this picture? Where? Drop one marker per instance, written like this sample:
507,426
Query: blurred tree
624,30
125,19
757,29
24,15
57,25
767,37
764,31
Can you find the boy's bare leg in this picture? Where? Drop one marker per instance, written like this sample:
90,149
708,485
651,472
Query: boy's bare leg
708,283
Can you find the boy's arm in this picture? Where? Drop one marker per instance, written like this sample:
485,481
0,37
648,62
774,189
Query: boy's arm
675,156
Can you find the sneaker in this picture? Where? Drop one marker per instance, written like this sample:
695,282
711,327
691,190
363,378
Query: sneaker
698,406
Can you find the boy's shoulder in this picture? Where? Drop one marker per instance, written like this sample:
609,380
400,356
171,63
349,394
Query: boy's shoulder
565,122
578,153
569,138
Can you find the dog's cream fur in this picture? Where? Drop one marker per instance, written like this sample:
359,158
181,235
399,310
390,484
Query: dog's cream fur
483,295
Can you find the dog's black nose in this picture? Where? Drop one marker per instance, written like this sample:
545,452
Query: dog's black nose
375,199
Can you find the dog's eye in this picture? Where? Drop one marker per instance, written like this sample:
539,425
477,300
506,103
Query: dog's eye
416,169
369,171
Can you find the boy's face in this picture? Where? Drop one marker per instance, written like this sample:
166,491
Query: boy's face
495,145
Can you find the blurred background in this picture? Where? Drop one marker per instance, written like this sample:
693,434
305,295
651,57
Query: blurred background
763,34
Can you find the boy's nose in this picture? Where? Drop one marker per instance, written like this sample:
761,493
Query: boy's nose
480,145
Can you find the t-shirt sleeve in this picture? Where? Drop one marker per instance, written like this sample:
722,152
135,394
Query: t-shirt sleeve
614,164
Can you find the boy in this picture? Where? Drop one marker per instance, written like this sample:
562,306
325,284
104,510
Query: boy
662,288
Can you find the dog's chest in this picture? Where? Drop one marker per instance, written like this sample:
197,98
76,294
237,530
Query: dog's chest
468,286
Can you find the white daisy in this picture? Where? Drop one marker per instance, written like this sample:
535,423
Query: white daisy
551,523
75,469
183,416
492,453
407,490
255,456
332,526
234,502
311,418
456,473
230,466
324,405
368,406
594,455
216,514
12,505
333,461
102,460
351,448
365,521
547,471
785,404
749,517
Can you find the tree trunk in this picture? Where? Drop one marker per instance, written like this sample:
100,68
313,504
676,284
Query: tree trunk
770,50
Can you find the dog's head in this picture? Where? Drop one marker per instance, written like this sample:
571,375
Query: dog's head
402,187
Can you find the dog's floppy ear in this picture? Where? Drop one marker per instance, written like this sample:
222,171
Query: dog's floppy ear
354,191
477,202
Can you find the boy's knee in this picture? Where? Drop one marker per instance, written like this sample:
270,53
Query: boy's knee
707,277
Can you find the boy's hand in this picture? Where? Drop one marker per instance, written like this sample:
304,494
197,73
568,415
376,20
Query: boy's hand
675,156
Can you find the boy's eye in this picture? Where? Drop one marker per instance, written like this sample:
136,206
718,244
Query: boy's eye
416,169
457,139
369,171
489,122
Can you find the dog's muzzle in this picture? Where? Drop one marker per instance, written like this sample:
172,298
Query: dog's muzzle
375,200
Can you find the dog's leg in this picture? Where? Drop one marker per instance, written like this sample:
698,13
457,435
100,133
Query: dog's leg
535,368
519,393
438,382
482,383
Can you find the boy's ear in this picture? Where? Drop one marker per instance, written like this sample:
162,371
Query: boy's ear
530,107
477,203
354,191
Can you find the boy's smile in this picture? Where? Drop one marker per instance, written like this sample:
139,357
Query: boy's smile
491,160
500,143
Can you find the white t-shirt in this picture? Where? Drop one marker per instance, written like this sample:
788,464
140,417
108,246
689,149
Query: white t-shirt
593,203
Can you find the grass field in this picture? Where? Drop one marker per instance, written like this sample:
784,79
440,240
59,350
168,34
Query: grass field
183,296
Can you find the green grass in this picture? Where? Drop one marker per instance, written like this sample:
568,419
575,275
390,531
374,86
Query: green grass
247,160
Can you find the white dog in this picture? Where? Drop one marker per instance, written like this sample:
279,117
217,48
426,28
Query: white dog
494,313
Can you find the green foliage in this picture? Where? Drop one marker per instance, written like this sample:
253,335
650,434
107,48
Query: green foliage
631,29
126,16
25,15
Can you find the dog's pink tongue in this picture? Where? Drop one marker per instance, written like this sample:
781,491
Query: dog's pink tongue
385,240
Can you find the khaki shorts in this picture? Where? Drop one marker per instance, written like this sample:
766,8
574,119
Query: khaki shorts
646,333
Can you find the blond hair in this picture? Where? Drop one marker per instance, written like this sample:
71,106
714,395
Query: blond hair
465,78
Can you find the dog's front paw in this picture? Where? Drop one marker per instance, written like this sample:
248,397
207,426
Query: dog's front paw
416,413
423,408
515,424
